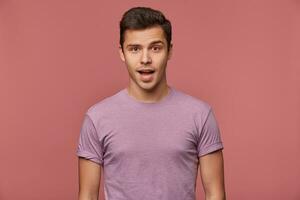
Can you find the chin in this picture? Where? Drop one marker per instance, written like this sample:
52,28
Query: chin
148,87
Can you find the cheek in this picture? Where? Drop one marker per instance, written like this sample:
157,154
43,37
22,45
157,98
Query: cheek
132,61
131,66
161,61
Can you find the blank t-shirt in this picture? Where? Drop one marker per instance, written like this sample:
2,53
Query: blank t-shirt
149,151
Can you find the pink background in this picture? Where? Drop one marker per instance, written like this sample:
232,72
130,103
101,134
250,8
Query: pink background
59,57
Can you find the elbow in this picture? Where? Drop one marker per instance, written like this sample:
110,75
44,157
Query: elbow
84,196
216,196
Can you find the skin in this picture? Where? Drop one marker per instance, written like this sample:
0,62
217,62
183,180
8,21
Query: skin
211,168
139,50
89,179
145,53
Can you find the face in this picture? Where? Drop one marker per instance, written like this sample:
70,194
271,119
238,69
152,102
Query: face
145,49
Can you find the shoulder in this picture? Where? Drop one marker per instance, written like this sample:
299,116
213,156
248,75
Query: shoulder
104,106
196,107
191,102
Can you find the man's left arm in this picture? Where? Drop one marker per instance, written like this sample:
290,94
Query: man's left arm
211,167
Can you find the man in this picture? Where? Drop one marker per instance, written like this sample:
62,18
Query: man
149,138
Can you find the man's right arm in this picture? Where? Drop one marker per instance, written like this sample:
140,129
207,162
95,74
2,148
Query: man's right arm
89,179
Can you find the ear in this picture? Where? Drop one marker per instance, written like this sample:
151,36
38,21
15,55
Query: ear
121,53
170,51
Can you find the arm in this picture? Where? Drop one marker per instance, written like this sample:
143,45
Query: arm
212,175
89,179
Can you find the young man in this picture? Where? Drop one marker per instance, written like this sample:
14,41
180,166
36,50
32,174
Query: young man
149,138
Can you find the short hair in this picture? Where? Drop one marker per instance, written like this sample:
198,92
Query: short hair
138,18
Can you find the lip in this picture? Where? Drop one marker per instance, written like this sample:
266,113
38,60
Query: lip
146,69
146,77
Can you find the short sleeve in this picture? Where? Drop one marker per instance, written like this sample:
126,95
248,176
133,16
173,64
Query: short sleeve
210,138
89,145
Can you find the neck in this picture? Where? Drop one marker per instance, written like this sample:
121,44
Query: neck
148,95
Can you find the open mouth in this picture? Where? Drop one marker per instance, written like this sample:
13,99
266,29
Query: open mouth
145,73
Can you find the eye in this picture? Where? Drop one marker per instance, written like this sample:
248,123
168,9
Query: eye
156,48
134,49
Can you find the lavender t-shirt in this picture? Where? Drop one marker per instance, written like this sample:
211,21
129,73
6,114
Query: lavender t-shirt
149,151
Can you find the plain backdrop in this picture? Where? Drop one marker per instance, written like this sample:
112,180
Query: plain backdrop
58,57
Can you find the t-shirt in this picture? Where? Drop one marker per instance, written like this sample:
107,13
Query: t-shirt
149,151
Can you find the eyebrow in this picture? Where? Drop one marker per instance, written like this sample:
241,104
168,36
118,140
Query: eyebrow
153,42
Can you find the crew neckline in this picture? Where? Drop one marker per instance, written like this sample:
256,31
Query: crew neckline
160,102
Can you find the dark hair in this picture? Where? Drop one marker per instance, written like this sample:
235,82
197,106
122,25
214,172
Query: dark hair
144,17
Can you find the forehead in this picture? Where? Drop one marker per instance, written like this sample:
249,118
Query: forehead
144,36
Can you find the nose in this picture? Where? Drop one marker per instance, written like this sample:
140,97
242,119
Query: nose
146,59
